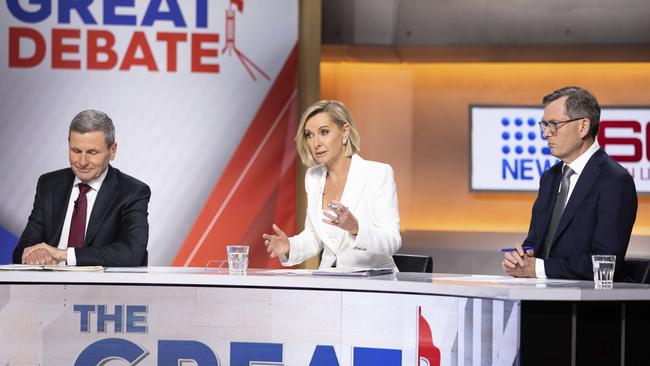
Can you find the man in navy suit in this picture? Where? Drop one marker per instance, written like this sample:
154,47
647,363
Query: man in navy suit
90,213
586,203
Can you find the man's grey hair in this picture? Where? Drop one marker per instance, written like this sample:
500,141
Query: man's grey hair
90,121
579,104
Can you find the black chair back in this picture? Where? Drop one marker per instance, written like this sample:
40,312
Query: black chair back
636,270
413,263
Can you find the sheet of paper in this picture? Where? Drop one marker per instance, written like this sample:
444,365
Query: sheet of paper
21,267
74,268
38,267
354,272
351,272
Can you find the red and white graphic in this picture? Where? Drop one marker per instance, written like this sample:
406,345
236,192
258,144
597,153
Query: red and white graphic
215,148
428,353
230,40
257,189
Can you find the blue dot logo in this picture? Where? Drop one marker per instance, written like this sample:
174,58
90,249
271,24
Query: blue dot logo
525,140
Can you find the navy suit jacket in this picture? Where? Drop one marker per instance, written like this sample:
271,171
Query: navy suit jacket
598,218
118,229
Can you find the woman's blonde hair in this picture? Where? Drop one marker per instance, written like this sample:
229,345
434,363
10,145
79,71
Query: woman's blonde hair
339,115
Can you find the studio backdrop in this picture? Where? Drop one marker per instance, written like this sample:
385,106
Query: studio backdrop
203,97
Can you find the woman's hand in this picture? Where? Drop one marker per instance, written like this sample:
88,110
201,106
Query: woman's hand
343,219
277,244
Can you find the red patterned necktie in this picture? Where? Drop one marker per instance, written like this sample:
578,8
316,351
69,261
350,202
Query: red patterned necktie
78,223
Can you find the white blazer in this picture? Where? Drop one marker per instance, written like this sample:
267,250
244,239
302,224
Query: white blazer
370,194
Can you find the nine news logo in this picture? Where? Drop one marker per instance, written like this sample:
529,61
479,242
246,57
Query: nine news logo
525,154
510,153
508,150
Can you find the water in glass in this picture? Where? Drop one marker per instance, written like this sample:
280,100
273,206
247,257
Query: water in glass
237,259
603,271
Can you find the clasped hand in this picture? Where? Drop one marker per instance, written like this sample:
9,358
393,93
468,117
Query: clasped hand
44,254
519,263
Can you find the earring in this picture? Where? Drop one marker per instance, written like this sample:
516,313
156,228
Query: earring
345,141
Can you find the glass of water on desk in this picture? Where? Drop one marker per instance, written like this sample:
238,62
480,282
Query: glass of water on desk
603,271
237,259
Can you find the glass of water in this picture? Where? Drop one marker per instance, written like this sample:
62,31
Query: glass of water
603,271
237,259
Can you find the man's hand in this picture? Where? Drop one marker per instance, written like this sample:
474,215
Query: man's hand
44,253
519,264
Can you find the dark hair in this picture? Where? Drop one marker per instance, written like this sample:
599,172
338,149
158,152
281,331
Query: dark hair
90,121
578,104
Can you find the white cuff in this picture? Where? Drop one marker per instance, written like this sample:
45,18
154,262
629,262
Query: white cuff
72,257
540,272
289,260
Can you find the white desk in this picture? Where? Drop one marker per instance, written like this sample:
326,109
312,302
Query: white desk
165,314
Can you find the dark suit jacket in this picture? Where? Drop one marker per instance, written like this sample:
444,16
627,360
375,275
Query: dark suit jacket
118,229
598,218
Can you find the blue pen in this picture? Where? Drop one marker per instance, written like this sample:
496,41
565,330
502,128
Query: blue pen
526,248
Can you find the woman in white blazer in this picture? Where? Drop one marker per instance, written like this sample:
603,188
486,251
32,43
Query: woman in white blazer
352,212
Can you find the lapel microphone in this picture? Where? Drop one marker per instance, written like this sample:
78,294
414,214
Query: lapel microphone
76,203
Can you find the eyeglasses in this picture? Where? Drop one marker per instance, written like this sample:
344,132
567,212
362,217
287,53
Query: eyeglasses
553,126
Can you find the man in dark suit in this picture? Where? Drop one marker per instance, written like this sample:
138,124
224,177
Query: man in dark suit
90,213
586,203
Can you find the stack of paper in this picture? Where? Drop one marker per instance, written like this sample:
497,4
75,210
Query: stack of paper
356,272
40,267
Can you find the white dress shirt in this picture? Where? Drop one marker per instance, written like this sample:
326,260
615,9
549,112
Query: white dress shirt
577,166
91,196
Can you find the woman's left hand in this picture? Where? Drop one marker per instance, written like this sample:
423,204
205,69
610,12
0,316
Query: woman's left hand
343,218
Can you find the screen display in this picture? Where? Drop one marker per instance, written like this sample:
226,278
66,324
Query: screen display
509,152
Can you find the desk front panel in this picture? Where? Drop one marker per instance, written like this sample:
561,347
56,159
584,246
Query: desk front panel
83,324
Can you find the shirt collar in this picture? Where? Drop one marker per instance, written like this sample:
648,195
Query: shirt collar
94,184
579,164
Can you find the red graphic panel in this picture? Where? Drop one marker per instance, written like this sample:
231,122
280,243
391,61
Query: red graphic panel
257,187
428,353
